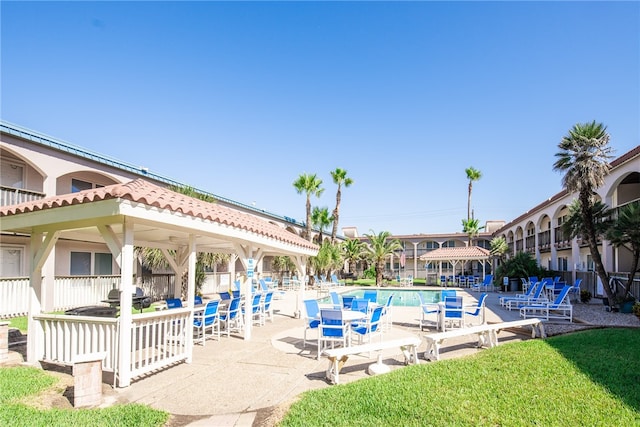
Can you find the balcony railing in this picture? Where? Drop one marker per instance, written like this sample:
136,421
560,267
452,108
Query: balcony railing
14,196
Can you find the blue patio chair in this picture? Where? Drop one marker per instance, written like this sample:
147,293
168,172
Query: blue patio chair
197,300
426,309
335,300
333,330
443,280
575,290
536,297
447,293
224,296
370,328
347,300
479,311
453,312
371,295
360,304
255,309
207,319
266,311
387,314
312,320
231,317
173,303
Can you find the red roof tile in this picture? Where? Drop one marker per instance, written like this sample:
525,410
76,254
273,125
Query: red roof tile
141,191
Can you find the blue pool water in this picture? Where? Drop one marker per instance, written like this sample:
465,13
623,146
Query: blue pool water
401,298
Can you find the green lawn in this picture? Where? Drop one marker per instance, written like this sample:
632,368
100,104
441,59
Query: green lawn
583,379
17,383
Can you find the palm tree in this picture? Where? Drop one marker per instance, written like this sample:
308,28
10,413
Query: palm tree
472,175
584,158
498,247
329,258
309,184
320,218
472,228
352,251
340,178
378,249
625,232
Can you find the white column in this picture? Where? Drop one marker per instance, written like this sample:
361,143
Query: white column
34,338
126,292
191,291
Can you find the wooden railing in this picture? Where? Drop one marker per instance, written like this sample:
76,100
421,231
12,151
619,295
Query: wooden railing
14,297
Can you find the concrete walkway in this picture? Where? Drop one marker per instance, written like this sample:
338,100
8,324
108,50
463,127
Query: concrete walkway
232,382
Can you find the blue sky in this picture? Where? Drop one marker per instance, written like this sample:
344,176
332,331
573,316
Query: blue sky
240,98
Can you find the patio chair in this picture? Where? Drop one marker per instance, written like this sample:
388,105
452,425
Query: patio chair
387,314
453,312
312,321
173,303
574,292
347,300
256,312
224,296
371,295
335,281
333,330
197,300
207,319
266,311
558,309
485,285
426,309
360,304
447,293
369,328
479,311
335,300
231,317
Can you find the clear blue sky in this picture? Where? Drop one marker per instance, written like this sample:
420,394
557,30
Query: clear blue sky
240,98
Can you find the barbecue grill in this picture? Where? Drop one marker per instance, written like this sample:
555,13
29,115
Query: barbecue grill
140,300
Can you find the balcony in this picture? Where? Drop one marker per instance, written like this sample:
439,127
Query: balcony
13,196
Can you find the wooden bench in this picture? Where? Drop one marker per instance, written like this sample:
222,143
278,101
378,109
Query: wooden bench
339,356
487,335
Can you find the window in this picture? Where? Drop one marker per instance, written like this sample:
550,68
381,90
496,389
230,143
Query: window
79,185
590,266
11,261
82,265
11,174
562,263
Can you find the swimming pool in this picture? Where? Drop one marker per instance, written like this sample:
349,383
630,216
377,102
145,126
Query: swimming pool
401,298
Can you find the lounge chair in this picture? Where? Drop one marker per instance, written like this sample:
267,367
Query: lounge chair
574,292
558,309
335,281
335,300
537,296
207,319
485,285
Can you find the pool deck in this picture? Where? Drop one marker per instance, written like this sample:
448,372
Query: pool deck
232,382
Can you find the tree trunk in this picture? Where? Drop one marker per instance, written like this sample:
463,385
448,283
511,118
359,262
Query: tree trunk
587,219
336,211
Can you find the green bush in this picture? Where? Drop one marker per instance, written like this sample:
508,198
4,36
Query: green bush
522,265
585,296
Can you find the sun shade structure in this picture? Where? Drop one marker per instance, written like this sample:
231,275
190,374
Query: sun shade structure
138,213
455,255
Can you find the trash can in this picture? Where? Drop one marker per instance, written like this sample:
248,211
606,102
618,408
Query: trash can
93,310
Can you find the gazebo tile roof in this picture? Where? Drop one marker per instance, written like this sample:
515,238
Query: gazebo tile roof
144,192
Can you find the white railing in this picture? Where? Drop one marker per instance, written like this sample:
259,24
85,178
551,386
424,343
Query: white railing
158,339
13,196
66,337
14,297
75,291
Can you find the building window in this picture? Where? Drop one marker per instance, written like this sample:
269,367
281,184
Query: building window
11,174
79,185
11,261
590,266
82,265
562,264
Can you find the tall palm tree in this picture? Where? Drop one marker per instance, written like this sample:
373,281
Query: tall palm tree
352,250
625,231
311,185
472,175
584,158
329,258
378,249
340,178
472,228
321,219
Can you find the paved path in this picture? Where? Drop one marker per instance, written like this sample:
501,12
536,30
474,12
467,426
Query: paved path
231,380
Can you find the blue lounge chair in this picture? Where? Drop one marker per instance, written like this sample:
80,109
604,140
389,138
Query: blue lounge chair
558,309
536,297
335,300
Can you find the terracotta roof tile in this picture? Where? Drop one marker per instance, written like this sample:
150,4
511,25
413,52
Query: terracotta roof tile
457,253
141,191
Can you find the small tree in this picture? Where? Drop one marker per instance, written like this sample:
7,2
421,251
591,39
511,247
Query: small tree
380,246
352,252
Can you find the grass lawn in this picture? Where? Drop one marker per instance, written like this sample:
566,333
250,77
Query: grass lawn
586,378
20,384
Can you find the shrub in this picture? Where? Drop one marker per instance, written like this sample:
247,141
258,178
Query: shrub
585,296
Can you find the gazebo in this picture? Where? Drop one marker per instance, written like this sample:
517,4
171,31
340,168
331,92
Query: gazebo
136,213
454,255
